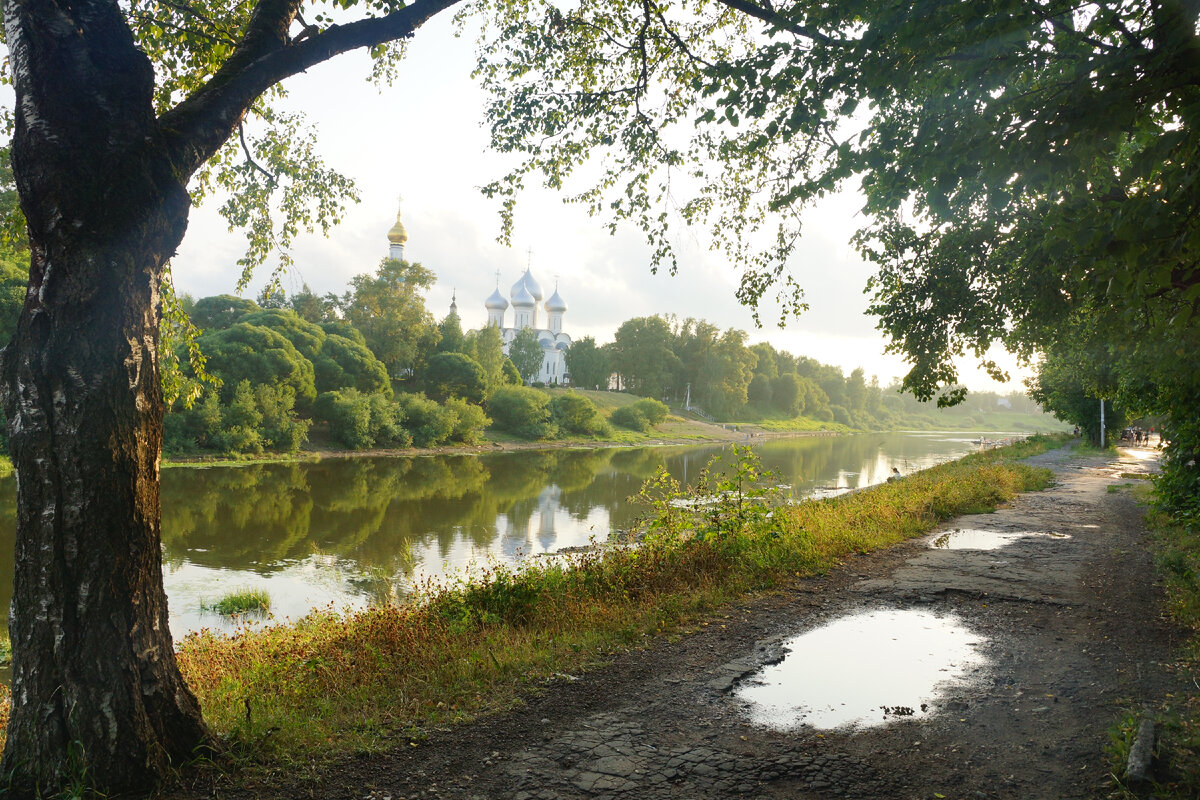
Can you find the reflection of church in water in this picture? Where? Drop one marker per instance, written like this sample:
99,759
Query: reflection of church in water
526,301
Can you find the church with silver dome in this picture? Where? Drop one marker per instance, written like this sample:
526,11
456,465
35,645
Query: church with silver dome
526,302
528,312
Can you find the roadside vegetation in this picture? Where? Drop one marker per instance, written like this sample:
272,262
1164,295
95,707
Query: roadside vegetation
356,682
1177,556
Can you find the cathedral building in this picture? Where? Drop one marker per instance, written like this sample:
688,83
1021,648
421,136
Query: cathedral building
528,309
526,298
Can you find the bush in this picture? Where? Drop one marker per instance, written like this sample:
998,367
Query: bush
348,413
385,426
428,423
470,420
840,414
455,375
259,355
522,412
653,410
574,413
198,427
630,417
279,428
345,363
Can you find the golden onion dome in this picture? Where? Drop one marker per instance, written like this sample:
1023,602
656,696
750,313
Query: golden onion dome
397,235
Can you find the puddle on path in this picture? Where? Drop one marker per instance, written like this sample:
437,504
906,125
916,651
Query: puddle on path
978,539
863,670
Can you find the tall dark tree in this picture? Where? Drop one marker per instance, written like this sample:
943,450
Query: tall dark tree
452,340
588,364
641,352
102,154
389,308
525,352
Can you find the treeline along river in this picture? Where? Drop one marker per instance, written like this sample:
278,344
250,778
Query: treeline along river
356,531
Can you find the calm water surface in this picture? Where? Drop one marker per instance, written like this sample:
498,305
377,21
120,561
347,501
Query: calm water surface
356,531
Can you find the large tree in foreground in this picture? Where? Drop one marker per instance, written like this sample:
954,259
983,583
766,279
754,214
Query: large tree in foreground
102,156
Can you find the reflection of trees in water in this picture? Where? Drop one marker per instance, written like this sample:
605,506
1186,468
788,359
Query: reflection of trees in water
375,513
249,517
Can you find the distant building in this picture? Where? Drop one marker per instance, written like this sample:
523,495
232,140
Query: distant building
526,297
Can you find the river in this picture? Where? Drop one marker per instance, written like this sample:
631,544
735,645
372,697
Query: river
348,532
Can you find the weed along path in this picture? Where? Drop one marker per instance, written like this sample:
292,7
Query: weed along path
985,660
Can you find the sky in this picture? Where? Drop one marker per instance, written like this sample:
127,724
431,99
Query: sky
422,139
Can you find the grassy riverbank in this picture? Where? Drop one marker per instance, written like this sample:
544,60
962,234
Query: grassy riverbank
333,684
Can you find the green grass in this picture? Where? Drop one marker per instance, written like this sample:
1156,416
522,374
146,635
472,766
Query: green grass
799,425
358,682
605,401
6,466
241,601
1177,558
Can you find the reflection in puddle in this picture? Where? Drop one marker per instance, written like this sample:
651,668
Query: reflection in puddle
977,539
862,670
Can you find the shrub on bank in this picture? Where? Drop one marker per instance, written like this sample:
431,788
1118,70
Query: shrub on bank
358,421
469,421
257,418
575,413
655,411
630,417
429,423
522,412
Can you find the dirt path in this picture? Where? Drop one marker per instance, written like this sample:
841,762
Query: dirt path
1071,632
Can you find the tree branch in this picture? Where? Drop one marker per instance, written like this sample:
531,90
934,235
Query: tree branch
250,158
199,125
768,14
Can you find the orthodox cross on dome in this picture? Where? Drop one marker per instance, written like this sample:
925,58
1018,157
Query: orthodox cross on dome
497,279
529,259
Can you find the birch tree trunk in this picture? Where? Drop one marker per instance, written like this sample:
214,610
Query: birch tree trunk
97,692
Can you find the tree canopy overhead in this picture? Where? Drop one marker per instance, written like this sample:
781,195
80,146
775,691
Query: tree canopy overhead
1019,159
